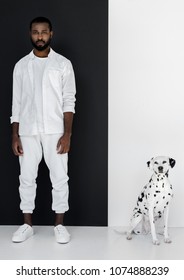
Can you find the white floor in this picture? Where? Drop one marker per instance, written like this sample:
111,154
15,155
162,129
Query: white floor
95,243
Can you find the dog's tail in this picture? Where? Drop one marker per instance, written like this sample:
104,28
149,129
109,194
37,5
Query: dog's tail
128,234
120,232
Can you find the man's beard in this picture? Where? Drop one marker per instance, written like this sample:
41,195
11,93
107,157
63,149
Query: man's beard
41,48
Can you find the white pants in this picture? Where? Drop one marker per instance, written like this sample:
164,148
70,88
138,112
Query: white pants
34,147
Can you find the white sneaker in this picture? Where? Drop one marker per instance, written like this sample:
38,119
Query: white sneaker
24,232
61,234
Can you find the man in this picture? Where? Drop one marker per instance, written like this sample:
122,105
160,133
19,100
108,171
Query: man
42,115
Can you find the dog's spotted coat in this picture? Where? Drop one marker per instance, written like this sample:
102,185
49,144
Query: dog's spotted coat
154,200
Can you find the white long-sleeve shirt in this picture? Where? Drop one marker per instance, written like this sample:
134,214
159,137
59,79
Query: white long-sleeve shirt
58,94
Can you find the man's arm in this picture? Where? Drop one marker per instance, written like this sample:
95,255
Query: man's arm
63,145
17,92
16,143
69,91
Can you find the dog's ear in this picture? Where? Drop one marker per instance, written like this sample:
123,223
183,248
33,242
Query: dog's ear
172,162
150,164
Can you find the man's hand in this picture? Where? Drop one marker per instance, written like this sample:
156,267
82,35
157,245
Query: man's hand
63,145
17,146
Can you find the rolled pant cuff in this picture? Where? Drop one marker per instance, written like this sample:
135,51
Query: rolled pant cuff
27,211
61,211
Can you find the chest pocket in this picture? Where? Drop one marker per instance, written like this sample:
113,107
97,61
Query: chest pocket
55,79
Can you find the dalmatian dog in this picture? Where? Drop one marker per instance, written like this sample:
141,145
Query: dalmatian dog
153,202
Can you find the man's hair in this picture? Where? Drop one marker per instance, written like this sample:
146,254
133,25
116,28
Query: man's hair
41,20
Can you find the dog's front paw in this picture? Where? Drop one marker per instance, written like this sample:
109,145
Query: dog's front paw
167,240
156,242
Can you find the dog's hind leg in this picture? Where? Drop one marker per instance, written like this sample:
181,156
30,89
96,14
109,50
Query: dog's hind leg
135,221
166,235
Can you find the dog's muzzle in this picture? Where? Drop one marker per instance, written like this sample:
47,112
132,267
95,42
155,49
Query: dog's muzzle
160,169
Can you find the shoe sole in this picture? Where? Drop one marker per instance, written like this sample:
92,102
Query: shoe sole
63,242
14,240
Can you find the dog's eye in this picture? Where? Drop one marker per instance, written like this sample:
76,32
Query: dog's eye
155,162
164,162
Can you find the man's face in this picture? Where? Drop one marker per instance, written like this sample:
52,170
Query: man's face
40,36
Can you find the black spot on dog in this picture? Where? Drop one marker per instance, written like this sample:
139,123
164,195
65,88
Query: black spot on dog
155,195
150,180
163,185
139,199
169,194
157,191
156,186
157,179
167,203
163,197
157,202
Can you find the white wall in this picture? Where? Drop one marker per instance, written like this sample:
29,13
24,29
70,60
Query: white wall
146,100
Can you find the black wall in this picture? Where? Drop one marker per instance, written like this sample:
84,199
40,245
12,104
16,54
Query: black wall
81,34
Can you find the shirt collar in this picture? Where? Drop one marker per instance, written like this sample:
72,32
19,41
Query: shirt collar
31,54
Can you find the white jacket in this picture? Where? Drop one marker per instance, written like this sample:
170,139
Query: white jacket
59,90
